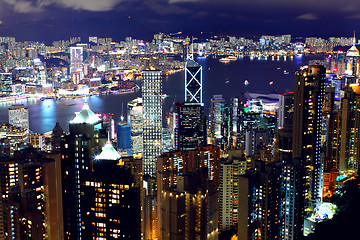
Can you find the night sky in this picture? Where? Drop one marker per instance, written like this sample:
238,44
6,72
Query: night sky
48,20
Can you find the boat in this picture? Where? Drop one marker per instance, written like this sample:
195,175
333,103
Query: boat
48,97
271,83
224,60
232,58
246,82
286,72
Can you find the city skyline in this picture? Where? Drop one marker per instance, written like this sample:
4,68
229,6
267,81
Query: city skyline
225,137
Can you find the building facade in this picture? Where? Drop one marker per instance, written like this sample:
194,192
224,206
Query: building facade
152,119
19,116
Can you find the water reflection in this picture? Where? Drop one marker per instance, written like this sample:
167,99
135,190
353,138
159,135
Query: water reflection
218,78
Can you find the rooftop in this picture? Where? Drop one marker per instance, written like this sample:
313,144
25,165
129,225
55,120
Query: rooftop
85,116
353,52
108,153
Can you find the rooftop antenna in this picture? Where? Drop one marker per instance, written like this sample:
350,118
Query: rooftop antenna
354,39
122,112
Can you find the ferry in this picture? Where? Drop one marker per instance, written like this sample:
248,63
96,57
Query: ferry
224,60
48,97
232,58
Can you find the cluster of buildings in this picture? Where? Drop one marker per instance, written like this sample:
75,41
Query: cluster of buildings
78,67
264,168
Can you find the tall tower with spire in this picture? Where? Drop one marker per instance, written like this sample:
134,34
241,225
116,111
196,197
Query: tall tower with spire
352,65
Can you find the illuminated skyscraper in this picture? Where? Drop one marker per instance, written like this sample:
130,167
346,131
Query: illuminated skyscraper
352,56
230,170
78,150
30,206
135,119
187,199
76,61
350,135
5,83
191,126
19,116
258,203
124,137
286,110
217,120
308,104
112,209
193,82
152,119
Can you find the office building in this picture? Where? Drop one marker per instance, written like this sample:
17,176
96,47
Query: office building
77,150
235,128
124,137
283,135
286,109
217,121
135,119
76,64
349,136
308,103
12,138
191,129
193,82
5,83
112,206
152,119
76,59
253,138
187,199
352,61
230,170
258,211
56,137
290,200
30,206
19,116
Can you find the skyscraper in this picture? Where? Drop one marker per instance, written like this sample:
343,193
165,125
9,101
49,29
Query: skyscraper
258,203
112,209
350,124
308,103
124,137
286,109
5,83
230,170
30,206
193,82
217,120
78,150
152,119
187,199
19,116
76,62
191,126
135,119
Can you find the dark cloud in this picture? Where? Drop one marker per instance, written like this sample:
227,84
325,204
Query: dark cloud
110,17
308,16
27,6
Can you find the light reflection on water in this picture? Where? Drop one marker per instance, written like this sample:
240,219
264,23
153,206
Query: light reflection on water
218,78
